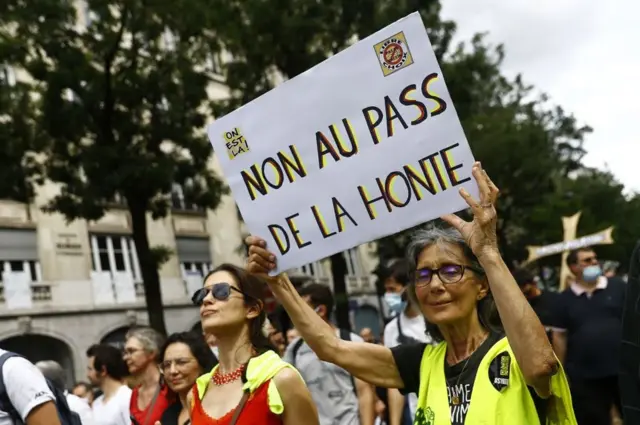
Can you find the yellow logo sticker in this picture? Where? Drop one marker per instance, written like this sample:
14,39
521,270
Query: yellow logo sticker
235,142
393,54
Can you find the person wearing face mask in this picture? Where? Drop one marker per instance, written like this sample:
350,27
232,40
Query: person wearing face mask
406,327
587,328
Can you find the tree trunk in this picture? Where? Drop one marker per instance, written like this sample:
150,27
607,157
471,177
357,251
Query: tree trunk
148,267
339,273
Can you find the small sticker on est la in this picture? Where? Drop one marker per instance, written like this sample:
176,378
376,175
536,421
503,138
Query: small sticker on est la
235,142
393,54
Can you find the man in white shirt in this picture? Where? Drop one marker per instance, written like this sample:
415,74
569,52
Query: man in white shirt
408,326
55,374
28,393
107,370
84,391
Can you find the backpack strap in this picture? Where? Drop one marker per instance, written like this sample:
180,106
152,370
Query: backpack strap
346,336
402,338
400,334
294,351
5,402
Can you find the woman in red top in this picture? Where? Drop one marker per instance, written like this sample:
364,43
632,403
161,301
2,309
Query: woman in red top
151,397
232,309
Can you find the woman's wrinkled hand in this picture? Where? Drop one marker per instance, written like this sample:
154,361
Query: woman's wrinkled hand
480,233
260,261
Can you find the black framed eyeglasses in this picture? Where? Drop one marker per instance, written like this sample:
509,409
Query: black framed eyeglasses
447,273
219,291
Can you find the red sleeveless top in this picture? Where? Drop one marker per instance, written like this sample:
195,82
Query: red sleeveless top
145,417
255,412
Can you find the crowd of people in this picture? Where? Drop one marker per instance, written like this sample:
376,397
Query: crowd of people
471,342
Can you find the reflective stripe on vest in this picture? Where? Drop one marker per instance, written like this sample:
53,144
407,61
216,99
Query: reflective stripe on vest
511,406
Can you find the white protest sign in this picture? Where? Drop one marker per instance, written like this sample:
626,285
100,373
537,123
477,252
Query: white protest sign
363,145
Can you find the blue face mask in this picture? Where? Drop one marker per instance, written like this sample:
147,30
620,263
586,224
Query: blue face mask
395,302
591,273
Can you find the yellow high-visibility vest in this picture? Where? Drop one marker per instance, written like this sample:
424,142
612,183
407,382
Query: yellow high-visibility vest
259,370
512,405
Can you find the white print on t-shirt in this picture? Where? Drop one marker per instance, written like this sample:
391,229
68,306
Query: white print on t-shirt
459,411
501,381
26,387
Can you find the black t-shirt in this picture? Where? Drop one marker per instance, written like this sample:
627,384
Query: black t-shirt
460,377
545,306
594,329
171,415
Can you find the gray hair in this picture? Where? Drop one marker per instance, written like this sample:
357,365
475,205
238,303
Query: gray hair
53,372
150,339
446,237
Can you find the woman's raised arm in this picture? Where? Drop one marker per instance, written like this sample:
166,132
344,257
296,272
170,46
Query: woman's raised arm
525,333
370,362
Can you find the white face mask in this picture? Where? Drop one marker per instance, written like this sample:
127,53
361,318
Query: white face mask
395,302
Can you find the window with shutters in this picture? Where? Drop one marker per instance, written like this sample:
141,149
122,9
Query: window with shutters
19,253
195,267
110,253
194,255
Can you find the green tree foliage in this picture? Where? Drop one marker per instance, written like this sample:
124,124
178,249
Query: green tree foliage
532,150
603,203
124,101
279,39
19,138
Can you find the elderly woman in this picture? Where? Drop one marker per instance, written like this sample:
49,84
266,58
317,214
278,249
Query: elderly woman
510,372
151,396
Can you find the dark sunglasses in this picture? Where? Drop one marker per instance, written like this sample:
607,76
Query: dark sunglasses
219,291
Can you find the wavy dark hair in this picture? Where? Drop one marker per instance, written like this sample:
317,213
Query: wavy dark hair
254,295
446,237
199,348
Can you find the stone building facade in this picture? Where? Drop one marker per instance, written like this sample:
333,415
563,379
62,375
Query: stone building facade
66,286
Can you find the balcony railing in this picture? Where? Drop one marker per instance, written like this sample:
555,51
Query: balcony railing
39,292
81,294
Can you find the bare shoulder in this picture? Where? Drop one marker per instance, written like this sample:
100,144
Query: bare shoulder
298,405
288,379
